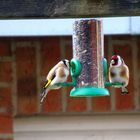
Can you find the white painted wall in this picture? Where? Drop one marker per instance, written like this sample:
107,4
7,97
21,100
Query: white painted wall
103,127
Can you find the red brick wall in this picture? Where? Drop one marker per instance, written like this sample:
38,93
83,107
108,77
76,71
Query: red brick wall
24,63
6,90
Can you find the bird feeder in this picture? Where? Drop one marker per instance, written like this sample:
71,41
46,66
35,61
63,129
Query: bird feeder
89,51
88,68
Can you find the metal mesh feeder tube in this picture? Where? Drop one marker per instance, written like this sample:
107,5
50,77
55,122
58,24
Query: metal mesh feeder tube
88,50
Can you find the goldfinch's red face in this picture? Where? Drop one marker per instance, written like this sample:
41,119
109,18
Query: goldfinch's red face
116,60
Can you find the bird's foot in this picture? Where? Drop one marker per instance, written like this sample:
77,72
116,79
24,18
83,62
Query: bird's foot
124,90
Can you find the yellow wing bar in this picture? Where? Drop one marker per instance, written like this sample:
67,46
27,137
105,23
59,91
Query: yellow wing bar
47,83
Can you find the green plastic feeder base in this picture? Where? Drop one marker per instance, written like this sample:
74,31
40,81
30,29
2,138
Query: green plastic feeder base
88,91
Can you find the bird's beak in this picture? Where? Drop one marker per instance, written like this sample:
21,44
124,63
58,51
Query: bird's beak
112,62
69,64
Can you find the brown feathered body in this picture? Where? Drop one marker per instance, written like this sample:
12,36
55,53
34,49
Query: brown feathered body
58,74
119,73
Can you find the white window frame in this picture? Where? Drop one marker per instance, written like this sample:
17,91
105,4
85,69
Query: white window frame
64,27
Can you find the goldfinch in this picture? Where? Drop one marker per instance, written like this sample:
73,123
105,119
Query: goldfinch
119,72
58,74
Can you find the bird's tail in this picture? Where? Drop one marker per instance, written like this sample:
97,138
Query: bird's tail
45,90
43,95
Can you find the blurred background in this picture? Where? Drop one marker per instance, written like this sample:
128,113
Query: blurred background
24,63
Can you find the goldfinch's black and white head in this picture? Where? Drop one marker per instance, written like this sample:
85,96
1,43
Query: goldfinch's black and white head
66,63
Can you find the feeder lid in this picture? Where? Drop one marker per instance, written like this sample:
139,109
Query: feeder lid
88,91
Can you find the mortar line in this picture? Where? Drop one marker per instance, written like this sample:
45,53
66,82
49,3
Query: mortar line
63,89
89,104
5,84
121,42
6,136
135,71
24,43
3,109
112,90
14,75
38,73
6,59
